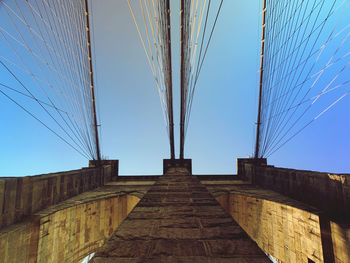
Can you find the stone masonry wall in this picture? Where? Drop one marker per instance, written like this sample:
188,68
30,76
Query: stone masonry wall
178,220
67,232
288,233
328,192
23,196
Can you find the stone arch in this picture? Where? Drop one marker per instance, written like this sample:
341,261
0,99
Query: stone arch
67,232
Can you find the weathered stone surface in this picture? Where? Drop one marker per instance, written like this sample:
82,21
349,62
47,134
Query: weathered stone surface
329,193
341,242
66,232
286,229
21,197
326,191
178,220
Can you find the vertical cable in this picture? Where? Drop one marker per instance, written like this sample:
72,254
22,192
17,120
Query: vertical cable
170,85
92,84
182,80
257,143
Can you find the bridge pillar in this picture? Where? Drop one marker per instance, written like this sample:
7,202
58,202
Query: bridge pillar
178,220
176,163
114,167
245,167
330,193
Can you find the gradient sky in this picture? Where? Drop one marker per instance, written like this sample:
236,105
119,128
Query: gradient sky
132,128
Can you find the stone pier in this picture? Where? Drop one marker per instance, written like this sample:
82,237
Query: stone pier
292,215
178,220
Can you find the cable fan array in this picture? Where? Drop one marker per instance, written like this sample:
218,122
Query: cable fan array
305,67
194,46
45,60
156,41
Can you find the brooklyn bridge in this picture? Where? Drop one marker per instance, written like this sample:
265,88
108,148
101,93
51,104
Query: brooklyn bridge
49,79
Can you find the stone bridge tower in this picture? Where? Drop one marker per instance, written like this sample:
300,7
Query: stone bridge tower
291,215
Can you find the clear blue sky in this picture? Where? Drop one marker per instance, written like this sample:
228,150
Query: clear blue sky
132,128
